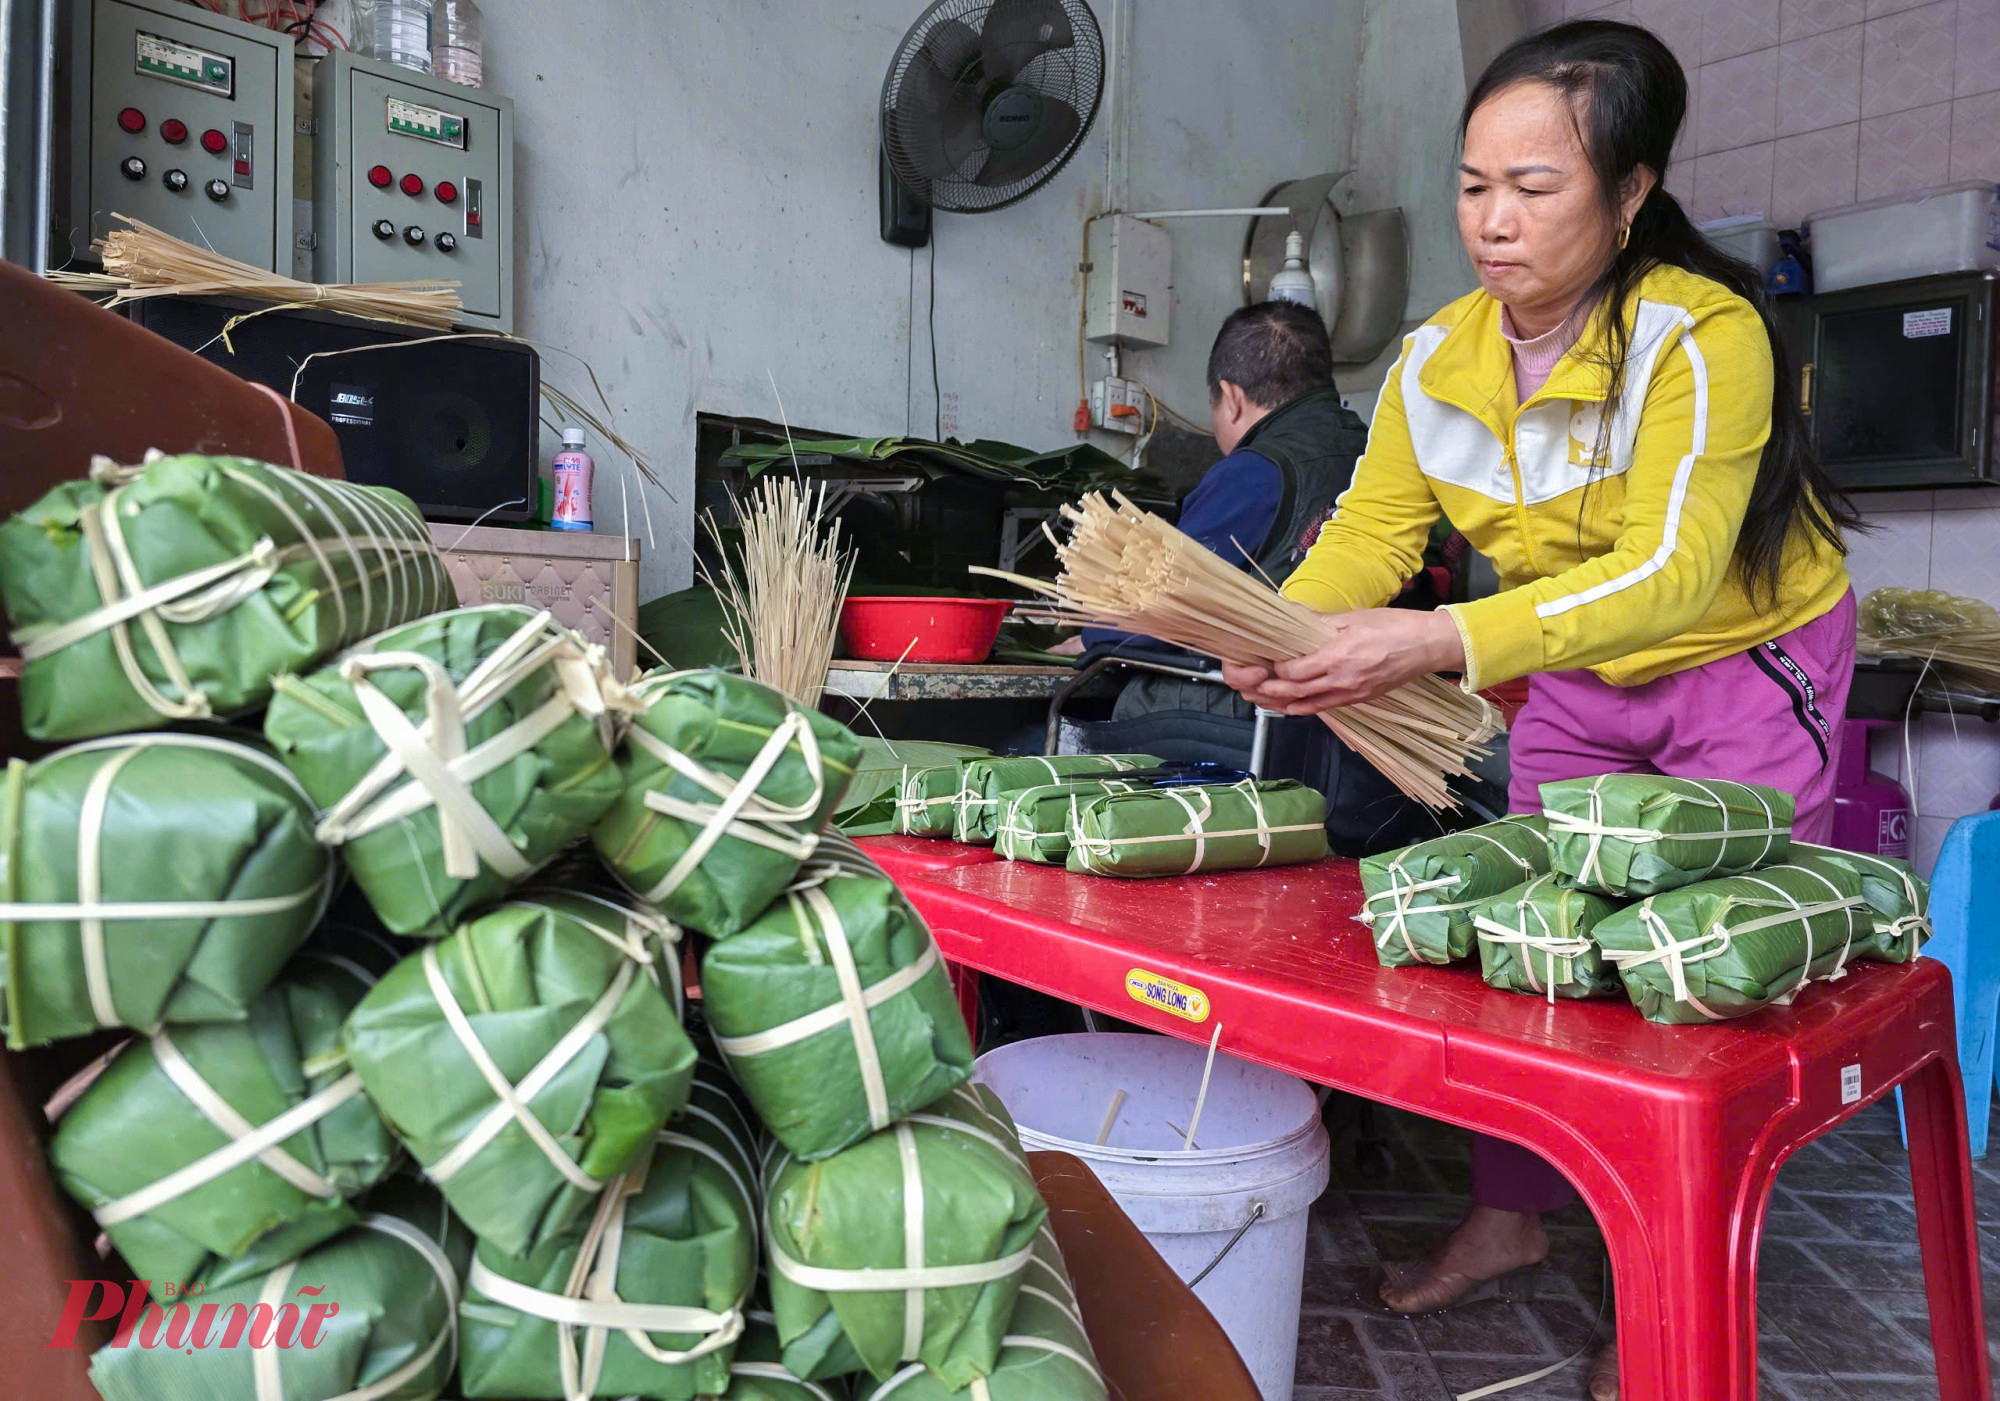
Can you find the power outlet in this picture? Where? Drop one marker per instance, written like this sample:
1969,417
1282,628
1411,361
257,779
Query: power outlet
1117,406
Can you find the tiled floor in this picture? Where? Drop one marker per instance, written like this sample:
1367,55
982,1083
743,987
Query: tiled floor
1840,1287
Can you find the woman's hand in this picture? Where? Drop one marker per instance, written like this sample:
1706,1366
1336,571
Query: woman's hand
1364,655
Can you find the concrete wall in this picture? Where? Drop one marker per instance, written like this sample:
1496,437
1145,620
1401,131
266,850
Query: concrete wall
698,217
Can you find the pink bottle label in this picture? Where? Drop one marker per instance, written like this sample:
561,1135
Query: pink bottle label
572,491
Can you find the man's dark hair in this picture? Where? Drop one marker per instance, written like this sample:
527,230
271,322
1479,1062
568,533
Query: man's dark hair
1272,351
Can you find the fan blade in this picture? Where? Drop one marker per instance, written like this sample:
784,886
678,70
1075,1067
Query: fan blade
1017,32
1060,124
936,120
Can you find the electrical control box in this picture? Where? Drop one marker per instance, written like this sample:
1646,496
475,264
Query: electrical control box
182,119
414,178
1128,281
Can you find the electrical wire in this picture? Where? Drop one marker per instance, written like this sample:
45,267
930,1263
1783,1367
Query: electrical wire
937,398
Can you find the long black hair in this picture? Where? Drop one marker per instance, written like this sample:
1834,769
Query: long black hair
1628,96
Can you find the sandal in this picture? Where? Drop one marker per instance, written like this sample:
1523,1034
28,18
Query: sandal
1428,1290
1604,1374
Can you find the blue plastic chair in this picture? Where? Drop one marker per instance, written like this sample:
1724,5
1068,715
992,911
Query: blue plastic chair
1965,920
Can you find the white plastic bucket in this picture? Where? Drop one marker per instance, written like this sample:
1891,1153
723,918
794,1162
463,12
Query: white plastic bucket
1260,1144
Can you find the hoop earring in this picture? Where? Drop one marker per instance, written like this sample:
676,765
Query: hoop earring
1624,237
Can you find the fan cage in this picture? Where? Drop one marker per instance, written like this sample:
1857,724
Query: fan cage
1074,75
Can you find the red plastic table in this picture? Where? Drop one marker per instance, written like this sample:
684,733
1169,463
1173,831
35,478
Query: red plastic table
1673,1135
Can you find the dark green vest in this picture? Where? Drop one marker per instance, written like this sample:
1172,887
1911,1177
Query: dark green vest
1315,442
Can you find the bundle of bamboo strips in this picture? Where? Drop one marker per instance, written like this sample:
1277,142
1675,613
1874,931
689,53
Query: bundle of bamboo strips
1125,568
140,262
1960,635
782,597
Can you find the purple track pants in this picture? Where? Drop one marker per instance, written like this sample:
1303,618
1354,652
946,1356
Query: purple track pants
1771,715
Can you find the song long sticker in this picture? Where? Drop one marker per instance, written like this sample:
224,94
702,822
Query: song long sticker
1157,990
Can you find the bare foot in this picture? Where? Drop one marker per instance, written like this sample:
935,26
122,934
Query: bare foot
1604,1374
1487,1244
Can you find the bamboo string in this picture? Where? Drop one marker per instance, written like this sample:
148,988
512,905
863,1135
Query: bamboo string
1125,568
782,595
141,262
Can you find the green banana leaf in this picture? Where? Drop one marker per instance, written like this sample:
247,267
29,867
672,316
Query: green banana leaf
1420,901
677,1230
194,821
1724,948
773,996
700,735
560,993
1899,901
869,809
1536,939
758,1372
380,1301
927,799
686,630
1034,823
1045,1356
1629,834
840,1222
182,1097
253,571
1205,827
1072,470
985,783
517,677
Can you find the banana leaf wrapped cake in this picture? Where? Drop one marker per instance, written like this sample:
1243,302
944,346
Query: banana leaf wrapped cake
148,879
1045,1355
1178,831
371,1315
1419,901
1535,938
647,1298
527,1060
177,590
1035,823
834,1010
453,756
927,799
874,797
911,1246
1898,901
1629,834
984,784
726,786
203,1144
1724,948
758,1371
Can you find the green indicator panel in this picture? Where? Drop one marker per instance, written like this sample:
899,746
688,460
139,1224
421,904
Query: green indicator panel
184,64
426,123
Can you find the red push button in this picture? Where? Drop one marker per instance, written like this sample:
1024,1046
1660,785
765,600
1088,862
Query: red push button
132,120
446,192
173,131
413,184
214,142
379,176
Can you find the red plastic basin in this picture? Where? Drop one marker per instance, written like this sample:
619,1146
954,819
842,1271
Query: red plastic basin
921,629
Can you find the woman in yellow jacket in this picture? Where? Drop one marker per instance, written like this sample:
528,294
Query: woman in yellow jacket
1609,421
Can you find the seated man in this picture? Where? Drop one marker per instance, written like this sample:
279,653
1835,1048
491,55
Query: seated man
1289,451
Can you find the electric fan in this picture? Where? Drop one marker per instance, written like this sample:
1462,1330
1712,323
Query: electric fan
984,102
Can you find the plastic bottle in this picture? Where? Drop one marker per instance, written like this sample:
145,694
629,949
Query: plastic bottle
398,31
1294,282
572,468
457,42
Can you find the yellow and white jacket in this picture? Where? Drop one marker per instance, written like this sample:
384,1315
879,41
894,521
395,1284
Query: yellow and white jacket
1620,561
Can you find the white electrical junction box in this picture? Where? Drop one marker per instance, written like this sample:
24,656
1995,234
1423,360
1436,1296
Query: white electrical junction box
1128,282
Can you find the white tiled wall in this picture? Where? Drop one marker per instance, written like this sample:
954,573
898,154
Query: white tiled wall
1799,105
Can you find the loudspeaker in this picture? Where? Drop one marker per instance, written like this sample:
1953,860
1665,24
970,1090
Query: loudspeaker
452,422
